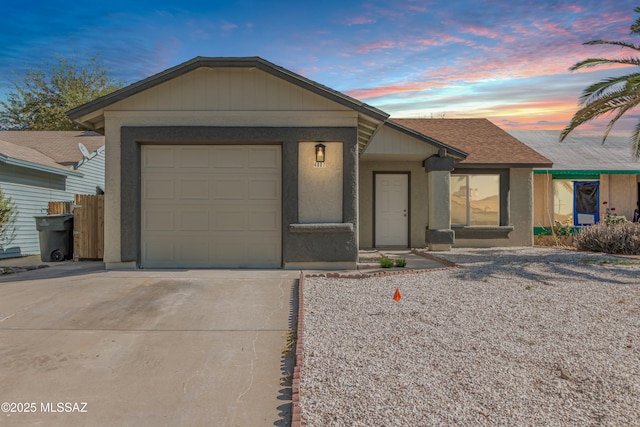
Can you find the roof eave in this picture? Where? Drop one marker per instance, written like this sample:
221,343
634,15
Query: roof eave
85,114
37,166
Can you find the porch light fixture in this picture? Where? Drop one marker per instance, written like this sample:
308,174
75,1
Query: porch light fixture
320,153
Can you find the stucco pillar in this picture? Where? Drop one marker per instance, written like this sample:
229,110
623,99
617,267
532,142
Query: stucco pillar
439,236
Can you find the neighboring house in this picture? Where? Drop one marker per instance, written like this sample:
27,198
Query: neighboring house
39,167
236,162
586,173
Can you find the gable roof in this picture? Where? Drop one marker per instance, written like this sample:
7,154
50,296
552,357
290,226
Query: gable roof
581,150
455,152
486,144
61,147
369,118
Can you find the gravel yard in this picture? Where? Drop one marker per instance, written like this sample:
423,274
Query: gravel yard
525,336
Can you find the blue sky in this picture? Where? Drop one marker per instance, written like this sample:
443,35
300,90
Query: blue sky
504,60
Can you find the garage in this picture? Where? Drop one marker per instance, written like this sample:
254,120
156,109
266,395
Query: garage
210,206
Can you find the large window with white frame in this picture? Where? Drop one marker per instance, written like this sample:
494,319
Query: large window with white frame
475,200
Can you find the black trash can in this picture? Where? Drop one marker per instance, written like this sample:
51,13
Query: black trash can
56,237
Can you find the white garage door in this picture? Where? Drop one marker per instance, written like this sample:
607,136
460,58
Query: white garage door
211,206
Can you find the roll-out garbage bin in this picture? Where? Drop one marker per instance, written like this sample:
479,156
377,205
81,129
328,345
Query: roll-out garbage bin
56,237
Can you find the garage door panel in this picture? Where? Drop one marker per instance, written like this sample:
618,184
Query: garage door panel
263,158
194,189
211,206
159,189
230,189
194,251
194,220
230,158
194,157
264,189
225,221
159,220
160,249
263,221
158,157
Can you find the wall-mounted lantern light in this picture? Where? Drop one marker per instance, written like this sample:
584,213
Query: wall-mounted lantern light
320,153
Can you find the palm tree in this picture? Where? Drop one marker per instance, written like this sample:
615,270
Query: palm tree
612,96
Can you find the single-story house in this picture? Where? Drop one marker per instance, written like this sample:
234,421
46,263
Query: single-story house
39,167
587,178
237,162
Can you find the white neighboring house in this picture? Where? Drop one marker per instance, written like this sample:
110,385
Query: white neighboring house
39,167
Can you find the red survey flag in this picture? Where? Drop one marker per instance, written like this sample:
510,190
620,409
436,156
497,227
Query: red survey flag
396,295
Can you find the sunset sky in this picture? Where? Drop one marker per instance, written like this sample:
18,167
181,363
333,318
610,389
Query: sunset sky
504,60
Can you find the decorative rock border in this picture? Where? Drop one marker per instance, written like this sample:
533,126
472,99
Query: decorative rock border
427,255
296,411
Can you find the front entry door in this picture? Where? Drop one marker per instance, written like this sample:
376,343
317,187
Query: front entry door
392,209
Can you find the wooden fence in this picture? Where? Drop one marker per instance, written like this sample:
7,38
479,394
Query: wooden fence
88,224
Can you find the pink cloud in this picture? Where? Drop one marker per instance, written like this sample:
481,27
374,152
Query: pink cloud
360,20
227,26
376,46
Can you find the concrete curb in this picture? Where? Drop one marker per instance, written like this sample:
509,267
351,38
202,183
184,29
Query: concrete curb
426,255
296,411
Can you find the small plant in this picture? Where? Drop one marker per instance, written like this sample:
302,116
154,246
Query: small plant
8,214
385,262
562,228
611,217
401,262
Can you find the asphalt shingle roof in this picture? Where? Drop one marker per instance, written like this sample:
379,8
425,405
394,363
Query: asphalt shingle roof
485,142
60,147
581,150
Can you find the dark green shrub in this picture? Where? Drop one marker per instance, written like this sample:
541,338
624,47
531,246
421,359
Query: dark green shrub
401,262
616,238
385,262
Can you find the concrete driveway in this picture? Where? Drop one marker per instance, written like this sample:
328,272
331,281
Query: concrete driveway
83,346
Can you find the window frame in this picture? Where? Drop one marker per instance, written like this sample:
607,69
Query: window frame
484,231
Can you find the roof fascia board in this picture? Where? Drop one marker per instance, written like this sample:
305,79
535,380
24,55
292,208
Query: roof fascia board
501,165
38,167
586,171
88,109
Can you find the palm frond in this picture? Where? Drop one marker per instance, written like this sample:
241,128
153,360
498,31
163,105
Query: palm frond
635,142
594,62
620,113
615,43
622,85
598,108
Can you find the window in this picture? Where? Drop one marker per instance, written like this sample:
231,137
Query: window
475,200
576,202
563,200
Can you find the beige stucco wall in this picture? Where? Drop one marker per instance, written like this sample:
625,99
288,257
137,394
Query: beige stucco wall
521,213
206,97
320,188
620,191
542,200
419,205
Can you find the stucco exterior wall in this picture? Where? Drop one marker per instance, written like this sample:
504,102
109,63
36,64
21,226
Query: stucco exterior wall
419,205
520,214
542,200
320,188
623,194
209,98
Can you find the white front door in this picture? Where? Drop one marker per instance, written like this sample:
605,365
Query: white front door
392,209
